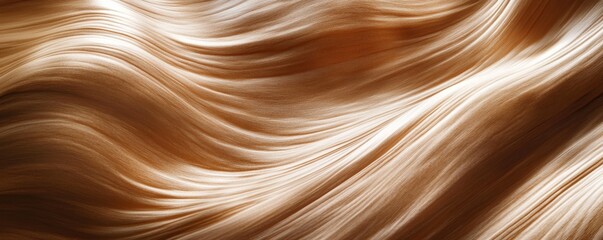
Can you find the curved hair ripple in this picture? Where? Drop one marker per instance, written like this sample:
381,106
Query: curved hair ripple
302,119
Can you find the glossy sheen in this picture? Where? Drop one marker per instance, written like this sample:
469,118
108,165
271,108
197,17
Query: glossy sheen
302,119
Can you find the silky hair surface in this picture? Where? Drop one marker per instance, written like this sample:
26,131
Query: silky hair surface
302,119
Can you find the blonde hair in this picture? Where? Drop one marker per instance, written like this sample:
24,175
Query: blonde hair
301,119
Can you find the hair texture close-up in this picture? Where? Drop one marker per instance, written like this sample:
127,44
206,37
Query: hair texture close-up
301,119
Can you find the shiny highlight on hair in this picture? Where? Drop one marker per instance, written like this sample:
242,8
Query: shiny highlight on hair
302,119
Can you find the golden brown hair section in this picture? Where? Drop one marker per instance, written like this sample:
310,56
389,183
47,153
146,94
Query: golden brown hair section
303,119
